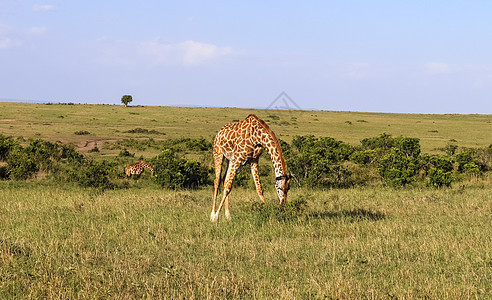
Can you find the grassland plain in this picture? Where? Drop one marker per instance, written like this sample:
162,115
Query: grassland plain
60,122
67,242
62,241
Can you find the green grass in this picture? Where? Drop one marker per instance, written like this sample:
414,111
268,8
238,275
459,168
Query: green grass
58,122
67,242
62,241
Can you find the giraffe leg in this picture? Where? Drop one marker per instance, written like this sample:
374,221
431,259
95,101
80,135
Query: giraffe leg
256,177
226,208
226,203
231,172
218,158
138,173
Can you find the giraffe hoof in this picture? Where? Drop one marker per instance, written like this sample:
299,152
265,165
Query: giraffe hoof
227,215
213,217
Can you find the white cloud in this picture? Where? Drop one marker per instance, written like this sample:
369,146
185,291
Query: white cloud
435,68
6,43
42,7
4,29
6,39
188,53
356,71
37,30
155,53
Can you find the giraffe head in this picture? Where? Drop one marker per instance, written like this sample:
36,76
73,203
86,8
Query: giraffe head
282,185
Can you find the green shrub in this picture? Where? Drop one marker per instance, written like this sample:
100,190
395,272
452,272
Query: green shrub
443,163
469,162
450,149
198,144
383,141
440,178
6,145
125,153
410,147
82,132
71,155
397,169
20,165
242,178
175,172
144,131
317,162
4,174
363,157
471,168
95,175
94,150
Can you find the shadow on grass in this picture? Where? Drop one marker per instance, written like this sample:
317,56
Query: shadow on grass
298,212
355,215
14,248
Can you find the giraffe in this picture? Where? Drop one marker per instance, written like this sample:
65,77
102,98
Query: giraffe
138,168
242,143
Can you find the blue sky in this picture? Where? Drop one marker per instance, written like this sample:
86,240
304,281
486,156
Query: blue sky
375,56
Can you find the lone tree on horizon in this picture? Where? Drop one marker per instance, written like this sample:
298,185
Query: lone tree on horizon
126,99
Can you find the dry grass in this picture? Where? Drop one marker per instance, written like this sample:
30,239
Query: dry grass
58,122
149,243
61,241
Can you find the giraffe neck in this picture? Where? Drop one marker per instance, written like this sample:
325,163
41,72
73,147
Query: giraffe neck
268,140
277,160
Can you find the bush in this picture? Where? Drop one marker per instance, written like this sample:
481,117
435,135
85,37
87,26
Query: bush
95,175
6,145
125,153
82,132
175,172
383,141
317,162
20,165
198,144
471,168
469,161
397,169
440,178
410,147
4,174
71,155
94,150
363,157
144,131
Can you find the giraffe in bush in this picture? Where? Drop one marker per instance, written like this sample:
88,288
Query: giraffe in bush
242,143
138,168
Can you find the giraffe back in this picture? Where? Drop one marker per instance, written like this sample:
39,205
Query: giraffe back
238,140
146,165
138,168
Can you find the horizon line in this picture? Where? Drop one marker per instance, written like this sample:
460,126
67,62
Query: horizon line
29,101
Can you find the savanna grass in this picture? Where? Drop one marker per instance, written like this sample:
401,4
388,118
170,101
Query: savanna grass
115,122
67,242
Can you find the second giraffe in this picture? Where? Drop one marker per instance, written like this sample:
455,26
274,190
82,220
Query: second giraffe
138,168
